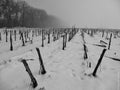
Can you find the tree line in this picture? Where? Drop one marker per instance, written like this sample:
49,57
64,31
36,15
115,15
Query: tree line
18,13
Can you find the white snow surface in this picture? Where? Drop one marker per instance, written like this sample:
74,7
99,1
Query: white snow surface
66,69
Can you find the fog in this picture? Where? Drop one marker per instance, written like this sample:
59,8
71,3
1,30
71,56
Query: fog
83,13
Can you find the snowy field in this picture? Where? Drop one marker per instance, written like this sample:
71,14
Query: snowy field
66,69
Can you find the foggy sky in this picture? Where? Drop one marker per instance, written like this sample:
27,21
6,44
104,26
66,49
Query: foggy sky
83,13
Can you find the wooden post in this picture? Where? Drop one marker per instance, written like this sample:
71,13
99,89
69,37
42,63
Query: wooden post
42,38
110,41
63,42
33,80
15,34
48,37
23,42
42,68
69,36
25,35
99,62
54,35
20,33
11,41
6,32
85,52
66,37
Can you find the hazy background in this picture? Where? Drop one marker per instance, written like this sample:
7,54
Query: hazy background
83,13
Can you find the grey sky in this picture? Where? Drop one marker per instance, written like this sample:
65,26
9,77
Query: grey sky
83,13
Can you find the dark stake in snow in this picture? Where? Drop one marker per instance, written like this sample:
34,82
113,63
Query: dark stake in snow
110,41
42,38
70,35
25,35
66,37
11,41
64,42
54,35
20,33
48,37
6,32
23,42
42,68
85,52
33,80
15,34
89,65
99,62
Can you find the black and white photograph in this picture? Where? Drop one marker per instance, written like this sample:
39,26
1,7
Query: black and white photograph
59,45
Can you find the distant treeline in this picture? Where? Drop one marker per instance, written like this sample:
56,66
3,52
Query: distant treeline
17,13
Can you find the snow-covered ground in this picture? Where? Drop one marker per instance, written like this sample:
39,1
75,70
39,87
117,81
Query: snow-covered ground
66,69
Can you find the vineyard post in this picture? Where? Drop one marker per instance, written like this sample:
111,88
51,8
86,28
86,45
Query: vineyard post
11,41
85,52
49,37
69,36
42,38
33,80
20,33
23,42
99,62
6,32
42,68
110,41
63,42
15,35
25,35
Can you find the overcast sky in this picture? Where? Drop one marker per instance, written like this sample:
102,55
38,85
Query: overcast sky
83,13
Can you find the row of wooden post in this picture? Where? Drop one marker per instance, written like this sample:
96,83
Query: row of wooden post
101,56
